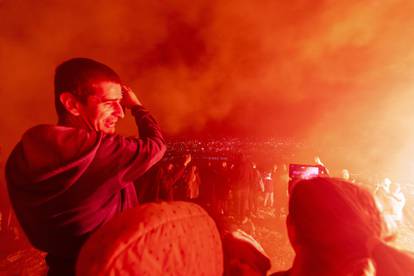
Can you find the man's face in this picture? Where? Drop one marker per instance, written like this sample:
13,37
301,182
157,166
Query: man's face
103,109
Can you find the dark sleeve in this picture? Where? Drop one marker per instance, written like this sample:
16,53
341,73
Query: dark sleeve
131,157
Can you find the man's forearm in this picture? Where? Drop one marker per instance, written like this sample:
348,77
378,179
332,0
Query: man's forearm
147,125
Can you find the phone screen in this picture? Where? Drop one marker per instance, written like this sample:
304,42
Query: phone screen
297,171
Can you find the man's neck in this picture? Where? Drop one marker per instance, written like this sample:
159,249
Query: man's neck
74,121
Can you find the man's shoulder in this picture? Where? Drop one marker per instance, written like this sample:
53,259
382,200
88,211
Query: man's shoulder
52,145
49,130
57,136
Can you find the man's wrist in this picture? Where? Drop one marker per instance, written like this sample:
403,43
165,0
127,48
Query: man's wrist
136,107
138,111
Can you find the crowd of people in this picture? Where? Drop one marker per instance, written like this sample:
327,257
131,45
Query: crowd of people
233,185
229,185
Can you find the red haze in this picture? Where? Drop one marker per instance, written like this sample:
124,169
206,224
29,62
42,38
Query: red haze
333,73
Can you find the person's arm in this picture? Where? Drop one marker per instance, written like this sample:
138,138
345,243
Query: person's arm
131,157
261,183
172,179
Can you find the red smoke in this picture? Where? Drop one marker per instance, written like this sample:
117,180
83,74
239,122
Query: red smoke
332,73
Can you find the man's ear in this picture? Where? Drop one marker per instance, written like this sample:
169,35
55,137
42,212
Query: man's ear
71,104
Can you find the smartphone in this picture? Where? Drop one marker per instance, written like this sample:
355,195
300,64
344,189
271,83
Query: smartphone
303,171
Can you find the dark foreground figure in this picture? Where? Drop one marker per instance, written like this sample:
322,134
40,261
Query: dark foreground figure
67,180
335,228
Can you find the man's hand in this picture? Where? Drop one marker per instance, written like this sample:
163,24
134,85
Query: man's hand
129,99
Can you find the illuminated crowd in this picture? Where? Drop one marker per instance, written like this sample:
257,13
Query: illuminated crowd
228,177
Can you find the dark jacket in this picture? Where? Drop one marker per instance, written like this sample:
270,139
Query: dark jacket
65,182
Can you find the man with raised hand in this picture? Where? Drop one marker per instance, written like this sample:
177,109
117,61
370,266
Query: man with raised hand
67,180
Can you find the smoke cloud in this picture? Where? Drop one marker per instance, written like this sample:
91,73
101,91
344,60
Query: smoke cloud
337,74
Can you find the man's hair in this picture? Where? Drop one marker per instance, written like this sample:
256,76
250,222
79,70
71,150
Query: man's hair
327,210
335,218
77,75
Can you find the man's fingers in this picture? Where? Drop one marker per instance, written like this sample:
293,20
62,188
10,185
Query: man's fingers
129,98
125,89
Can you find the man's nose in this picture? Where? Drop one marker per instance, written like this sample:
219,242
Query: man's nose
119,110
